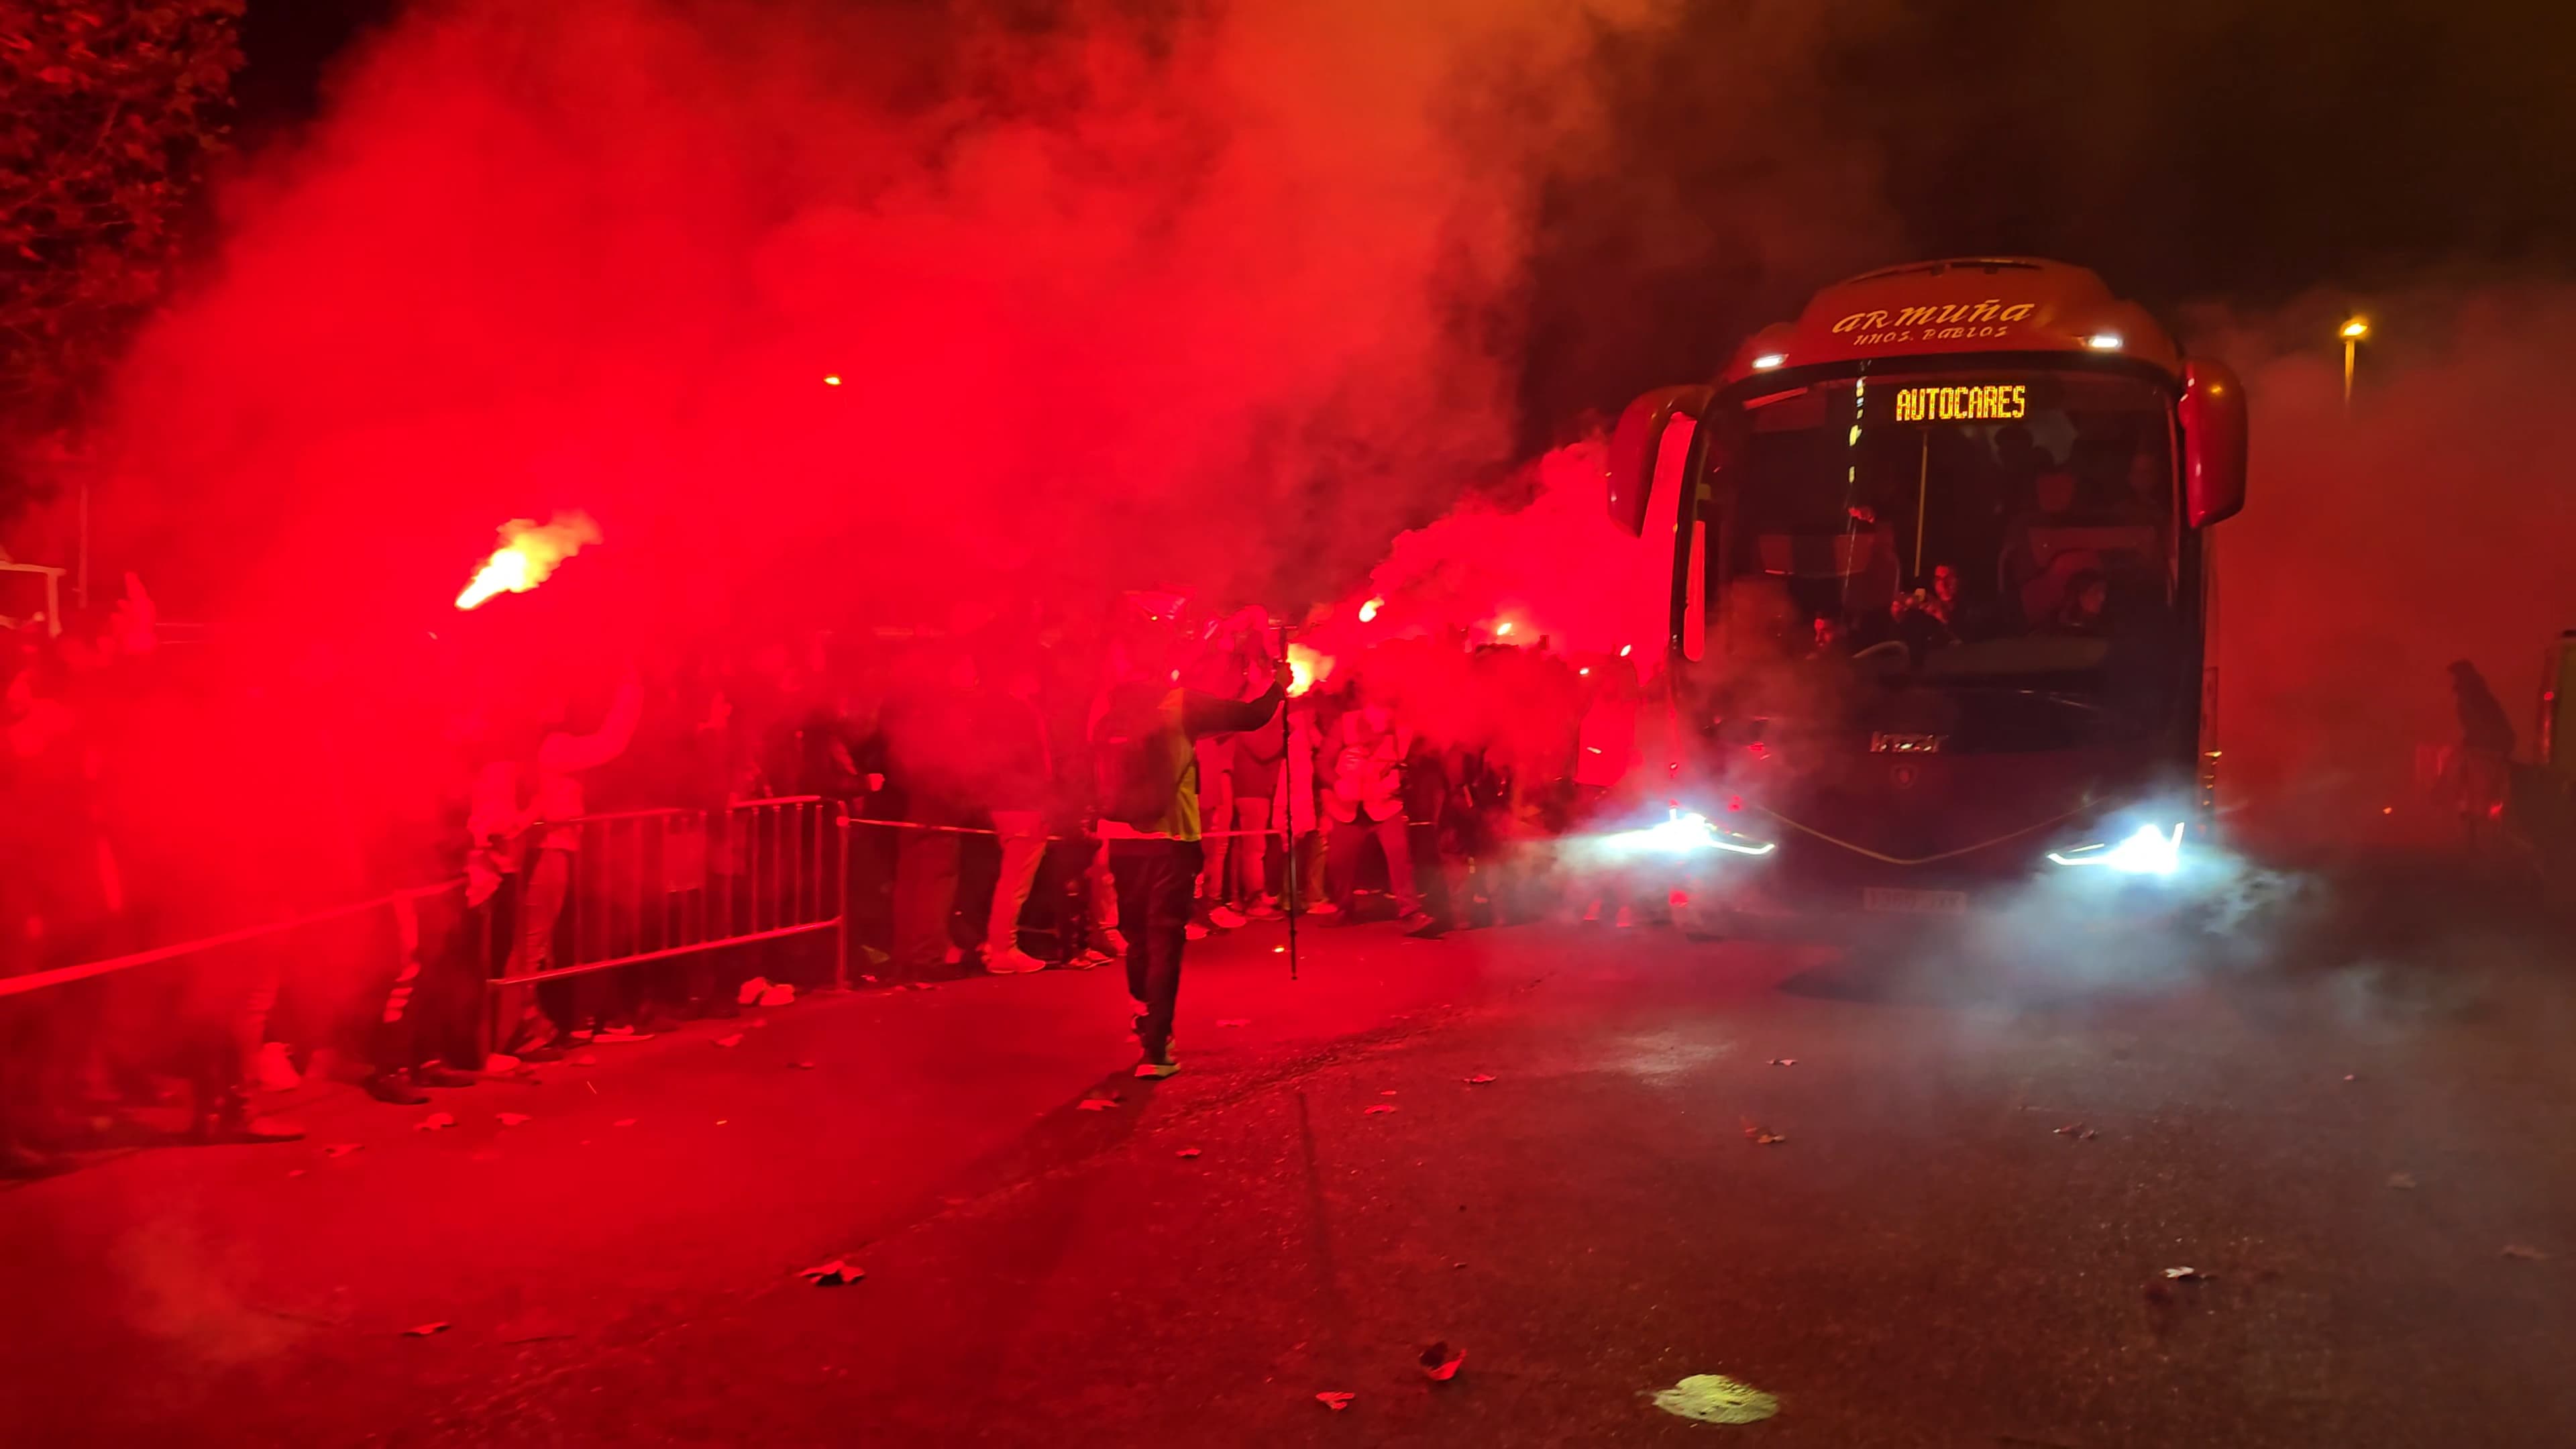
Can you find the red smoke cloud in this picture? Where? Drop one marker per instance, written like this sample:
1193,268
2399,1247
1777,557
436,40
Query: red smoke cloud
1222,299
1550,565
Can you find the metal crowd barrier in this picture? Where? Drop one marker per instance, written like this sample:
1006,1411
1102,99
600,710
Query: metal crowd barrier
650,885
644,885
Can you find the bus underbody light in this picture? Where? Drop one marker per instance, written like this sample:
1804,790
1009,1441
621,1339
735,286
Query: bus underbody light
2150,851
1683,833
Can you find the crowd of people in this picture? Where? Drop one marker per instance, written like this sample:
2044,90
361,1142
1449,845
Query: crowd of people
1096,789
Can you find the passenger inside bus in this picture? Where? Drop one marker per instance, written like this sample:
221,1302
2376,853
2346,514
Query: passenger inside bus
1957,548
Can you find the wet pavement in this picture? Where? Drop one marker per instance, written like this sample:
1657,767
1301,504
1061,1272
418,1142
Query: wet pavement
1979,1179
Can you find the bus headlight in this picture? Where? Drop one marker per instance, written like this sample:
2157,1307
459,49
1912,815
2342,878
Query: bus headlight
2150,850
1685,832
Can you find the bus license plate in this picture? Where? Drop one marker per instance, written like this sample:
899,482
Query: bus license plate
1897,901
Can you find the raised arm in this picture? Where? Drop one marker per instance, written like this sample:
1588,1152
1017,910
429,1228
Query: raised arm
570,753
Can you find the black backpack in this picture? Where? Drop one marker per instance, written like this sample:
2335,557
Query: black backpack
1132,769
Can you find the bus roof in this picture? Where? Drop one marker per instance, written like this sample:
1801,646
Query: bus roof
1964,304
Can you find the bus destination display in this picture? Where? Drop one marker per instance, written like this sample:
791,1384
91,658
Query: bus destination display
1987,402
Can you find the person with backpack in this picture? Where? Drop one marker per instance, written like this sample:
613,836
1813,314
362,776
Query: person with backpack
1145,760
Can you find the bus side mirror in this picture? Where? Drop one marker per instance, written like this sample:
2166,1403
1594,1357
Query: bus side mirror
1638,442
2213,442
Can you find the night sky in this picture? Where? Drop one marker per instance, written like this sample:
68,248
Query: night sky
2196,150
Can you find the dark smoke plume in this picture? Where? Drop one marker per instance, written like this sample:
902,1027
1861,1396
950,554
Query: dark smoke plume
2435,520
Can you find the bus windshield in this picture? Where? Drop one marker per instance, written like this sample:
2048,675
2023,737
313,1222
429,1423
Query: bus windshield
2001,524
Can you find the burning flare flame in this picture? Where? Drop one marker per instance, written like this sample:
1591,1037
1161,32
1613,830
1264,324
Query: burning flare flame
527,554
1305,667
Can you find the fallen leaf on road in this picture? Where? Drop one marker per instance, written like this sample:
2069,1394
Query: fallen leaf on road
760,1021
1716,1399
2189,1275
1380,1107
510,1119
1763,1136
2401,1179
782,994
2349,1077
1187,1152
833,1274
1096,1104
801,1066
1335,1402
1440,1362
623,1122
1784,1061
748,994
916,986
1234,1021
341,1149
1389,1092
2078,1131
869,979
424,1330
730,1041
434,1122
2526,1252
295,1172
1480,1079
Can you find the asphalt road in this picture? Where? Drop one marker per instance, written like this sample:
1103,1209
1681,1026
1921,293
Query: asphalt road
1986,1171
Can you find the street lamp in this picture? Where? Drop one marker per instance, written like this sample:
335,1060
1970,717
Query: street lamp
2352,333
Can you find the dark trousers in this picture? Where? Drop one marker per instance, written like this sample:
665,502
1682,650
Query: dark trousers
434,1007
925,896
1342,860
1156,880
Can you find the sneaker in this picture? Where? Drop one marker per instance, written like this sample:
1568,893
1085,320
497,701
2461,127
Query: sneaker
1158,1064
952,956
394,1089
1226,918
1265,909
612,1034
273,1070
1195,932
1090,960
1592,914
1420,923
1113,943
442,1076
1322,908
1013,962
1625,919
